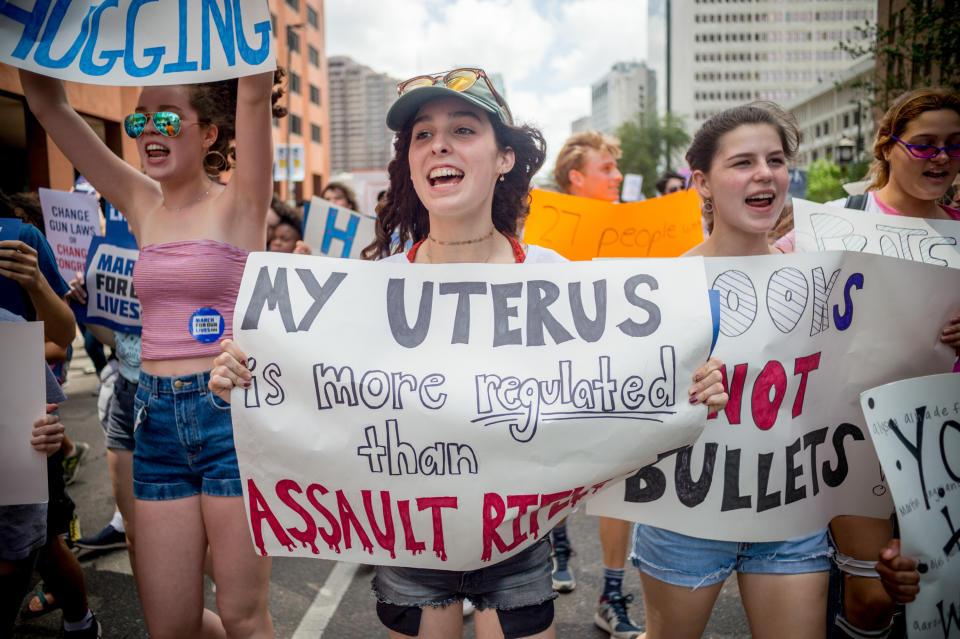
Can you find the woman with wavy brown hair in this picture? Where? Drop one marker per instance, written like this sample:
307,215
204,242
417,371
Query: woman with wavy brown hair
459,191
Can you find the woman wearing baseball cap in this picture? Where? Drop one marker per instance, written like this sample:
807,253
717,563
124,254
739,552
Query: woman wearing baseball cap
459,191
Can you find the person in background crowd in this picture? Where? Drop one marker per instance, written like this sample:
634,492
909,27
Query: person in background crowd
587,167
459,190
670,182
194,235
739,161
916,157
23,528
340,194
117,425
286,234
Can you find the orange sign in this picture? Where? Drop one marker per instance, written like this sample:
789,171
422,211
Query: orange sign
581,228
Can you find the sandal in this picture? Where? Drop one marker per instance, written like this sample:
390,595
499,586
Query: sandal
43,599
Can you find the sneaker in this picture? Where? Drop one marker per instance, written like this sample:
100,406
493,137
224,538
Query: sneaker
563,579
612,617
73,532
107,539
94,631
71,464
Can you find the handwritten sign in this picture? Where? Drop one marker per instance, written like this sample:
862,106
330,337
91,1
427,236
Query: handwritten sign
582,228
801,337
23,471
915,424
828,228
71,220
337,231
138,42
465,410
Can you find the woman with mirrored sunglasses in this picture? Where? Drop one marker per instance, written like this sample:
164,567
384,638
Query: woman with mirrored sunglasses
459,191
194,234
916,156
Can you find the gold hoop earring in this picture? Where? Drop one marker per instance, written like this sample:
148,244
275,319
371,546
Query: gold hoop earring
220,162
707,207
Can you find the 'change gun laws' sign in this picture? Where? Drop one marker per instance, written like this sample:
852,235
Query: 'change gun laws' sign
448,416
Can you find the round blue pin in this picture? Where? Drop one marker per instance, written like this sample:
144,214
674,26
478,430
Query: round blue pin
206,325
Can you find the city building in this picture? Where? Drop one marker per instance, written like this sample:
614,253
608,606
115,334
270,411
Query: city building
359,100
726,53
626,93
298,26
580,125
31,160
832,111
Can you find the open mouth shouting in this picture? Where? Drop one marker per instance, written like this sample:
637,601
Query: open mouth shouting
936,175
761,202
156,151
444,177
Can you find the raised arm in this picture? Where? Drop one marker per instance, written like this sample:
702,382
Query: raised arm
124,186
253,178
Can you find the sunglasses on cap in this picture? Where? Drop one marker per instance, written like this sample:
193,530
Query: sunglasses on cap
929,151
459,80
166,122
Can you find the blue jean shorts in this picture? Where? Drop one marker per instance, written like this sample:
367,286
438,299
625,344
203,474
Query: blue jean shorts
184,440
692,562
118,424
517,582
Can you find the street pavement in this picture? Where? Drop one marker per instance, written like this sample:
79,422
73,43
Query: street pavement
309,599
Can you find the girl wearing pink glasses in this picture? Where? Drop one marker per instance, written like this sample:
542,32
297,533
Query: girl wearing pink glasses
194,234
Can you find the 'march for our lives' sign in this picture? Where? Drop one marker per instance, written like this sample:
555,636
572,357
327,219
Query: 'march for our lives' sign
465,409
137,42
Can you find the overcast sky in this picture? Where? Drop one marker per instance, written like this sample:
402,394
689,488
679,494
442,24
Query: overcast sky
548,51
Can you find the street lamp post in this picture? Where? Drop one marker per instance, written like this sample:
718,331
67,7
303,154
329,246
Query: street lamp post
845,152
291,194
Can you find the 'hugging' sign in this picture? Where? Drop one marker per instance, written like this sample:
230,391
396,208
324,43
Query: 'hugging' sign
138,42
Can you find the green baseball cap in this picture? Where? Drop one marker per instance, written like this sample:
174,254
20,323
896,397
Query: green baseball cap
421,89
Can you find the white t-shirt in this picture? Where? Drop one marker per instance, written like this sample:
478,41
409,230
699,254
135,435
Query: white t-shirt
535,255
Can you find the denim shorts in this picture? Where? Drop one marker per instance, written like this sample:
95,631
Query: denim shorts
692,562
184,440
118,424
519,581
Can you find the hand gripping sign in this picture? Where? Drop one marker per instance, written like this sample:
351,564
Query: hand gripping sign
447,416
915,425
801,336
137,42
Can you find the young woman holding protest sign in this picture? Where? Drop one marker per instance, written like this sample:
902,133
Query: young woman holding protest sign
194,234
459,190
916,158
739,162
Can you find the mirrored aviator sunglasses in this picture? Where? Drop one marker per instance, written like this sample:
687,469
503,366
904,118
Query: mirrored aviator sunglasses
166,122
459,80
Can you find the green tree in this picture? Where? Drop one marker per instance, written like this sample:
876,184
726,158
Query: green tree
644,145
919,48
824,181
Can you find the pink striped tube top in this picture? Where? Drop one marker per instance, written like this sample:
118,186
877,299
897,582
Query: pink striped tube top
187,291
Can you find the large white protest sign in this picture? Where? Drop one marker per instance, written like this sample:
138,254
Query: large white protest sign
138,42
915,424
449,415
23,471
71,220
819,227
801,336
336,231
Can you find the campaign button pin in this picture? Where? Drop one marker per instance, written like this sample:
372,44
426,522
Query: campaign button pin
206,325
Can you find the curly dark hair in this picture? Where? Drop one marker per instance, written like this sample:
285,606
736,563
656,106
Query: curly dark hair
216,103
401,215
